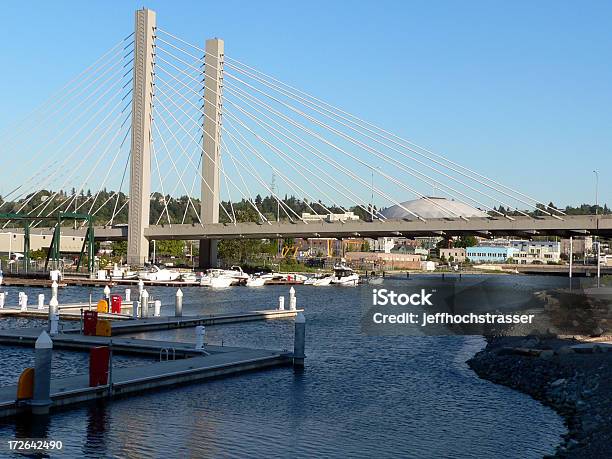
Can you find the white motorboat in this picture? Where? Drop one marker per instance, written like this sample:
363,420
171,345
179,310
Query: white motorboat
188,277
343,275
122,272
319,280
255,281
237,274
155,273
323,281
216,278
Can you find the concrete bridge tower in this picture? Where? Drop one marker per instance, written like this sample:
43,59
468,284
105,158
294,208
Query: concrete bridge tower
140,166
213,88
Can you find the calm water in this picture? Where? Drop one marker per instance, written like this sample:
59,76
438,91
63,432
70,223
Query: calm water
359,396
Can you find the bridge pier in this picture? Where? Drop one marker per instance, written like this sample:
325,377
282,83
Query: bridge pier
211,148
140,163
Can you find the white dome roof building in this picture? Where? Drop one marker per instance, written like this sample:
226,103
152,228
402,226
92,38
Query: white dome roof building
431,207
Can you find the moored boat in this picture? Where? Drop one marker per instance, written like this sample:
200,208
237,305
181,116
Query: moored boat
344,275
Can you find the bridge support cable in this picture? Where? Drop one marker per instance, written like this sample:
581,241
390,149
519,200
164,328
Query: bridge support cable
161,184
51,163
248,195
291,184
167,111
287,158
354,157
413,172
123,206
301,143
283,157
268,163
175,168
363,182
187,131
371,128
63,169
258,177
93,169
228,191
41,115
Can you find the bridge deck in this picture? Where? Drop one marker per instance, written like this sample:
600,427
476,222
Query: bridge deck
575,225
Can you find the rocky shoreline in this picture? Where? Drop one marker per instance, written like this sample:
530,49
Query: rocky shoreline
575,382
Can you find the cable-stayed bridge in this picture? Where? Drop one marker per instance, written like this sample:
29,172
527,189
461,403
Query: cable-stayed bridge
168,124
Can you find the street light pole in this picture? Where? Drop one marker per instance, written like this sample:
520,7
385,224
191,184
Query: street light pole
597,217
596,191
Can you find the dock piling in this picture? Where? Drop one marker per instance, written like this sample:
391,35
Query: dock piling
23,301
41,400
54,288
178,305
157,312
291,294
144,304
41,301
140,287
299,342
2,300
200,331
281,303
135,305
128,295
107,292
54,324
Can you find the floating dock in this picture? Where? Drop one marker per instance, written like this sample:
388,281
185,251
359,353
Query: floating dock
221,361
183,362
73,312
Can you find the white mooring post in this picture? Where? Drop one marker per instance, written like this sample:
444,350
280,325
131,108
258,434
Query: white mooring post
2,298
299,343
157,312
178,305
293,303
128,295
53,307
23,301
135,305
54,328
281,303
41,301
41,400
200,331
291,294
54,288
107,292
144,305
140,287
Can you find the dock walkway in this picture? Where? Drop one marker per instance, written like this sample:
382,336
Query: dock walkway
222,361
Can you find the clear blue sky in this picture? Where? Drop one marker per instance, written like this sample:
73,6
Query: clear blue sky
520,91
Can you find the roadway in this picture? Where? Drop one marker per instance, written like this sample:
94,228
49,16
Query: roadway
574,225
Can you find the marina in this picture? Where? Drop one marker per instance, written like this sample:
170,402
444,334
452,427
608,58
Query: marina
196,363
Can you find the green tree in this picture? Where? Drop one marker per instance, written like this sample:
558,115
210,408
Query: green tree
170,248
466,241
119,248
